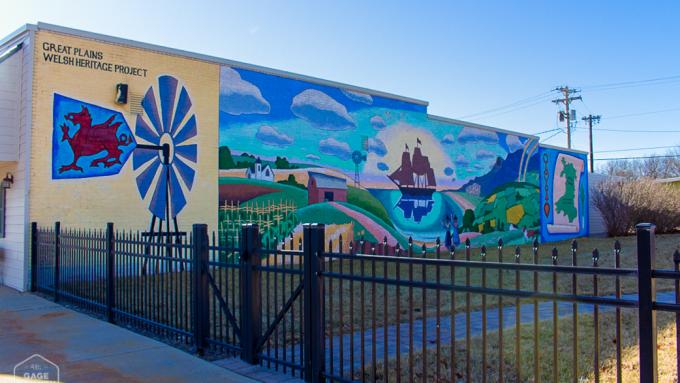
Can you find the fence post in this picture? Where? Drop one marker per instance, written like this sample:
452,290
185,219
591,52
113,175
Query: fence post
646,254
110,273
314,347
200,302
34,256
249,287
57,255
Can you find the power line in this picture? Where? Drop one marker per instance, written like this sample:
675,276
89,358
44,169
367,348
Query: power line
634,149
641,113
638,158
541,101
560,132
636,131
517,103
632,84
546,131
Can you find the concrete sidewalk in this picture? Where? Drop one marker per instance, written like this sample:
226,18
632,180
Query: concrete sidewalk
91,350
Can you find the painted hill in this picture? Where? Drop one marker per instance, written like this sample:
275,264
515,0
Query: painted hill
503,171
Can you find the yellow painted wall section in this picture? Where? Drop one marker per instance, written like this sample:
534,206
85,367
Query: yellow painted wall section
91,202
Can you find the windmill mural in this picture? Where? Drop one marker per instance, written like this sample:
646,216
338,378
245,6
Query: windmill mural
165,163
357,158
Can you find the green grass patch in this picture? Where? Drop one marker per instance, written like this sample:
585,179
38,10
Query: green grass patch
365,200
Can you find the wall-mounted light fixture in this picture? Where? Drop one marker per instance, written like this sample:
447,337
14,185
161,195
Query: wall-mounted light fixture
7,181
121,93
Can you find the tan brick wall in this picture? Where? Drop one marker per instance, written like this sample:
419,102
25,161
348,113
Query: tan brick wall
91,202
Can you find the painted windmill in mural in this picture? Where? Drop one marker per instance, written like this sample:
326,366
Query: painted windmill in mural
358,157
165,163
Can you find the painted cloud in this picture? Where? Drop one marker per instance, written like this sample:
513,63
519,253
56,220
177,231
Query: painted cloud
448,171
269,135
358,96
312,157
375,145
461,161
382,166
336,148
514,143
238,96
485,154
448,139
321,110
477,135
378,123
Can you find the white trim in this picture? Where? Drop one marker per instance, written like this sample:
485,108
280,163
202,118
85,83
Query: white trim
16,35
221,61
27,163
563,149
478,126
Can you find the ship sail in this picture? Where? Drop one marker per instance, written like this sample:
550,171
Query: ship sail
415,175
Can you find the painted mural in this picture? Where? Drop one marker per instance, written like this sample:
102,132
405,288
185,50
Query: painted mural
88,140
165,164
367,166
91,141
564,194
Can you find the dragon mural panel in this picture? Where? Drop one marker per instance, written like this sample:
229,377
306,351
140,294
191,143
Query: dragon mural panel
88,140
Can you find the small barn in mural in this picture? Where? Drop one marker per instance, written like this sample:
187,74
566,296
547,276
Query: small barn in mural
324,188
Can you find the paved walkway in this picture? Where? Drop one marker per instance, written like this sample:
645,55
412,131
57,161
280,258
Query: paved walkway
91,350
545,312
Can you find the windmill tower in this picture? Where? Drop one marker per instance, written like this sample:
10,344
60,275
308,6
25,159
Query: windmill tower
357,158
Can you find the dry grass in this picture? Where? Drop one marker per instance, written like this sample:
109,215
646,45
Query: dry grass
546,373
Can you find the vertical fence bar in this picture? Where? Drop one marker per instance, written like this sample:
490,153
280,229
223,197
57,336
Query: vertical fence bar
484,322
676,267
34,256
555,314
617,264
468,341
501,360
57,251
596,323
314,354
646,257
411,367
110,273
452,325
574,307
200,308
536,355
518,361
251,304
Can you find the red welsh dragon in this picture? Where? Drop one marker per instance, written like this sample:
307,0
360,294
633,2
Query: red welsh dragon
93,139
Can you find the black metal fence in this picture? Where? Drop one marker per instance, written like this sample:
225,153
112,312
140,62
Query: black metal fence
363,311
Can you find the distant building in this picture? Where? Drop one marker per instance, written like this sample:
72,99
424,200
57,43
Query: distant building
257,171
675,181
324,188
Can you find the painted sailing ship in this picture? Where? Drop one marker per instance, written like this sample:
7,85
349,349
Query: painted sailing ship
415,176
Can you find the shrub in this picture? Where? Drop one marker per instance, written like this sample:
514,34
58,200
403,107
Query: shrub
624,203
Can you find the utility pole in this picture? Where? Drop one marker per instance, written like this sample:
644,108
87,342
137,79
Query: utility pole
567,114
591,119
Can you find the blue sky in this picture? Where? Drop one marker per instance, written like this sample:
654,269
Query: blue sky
462,57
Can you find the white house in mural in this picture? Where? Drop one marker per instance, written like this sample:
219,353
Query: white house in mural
257,171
